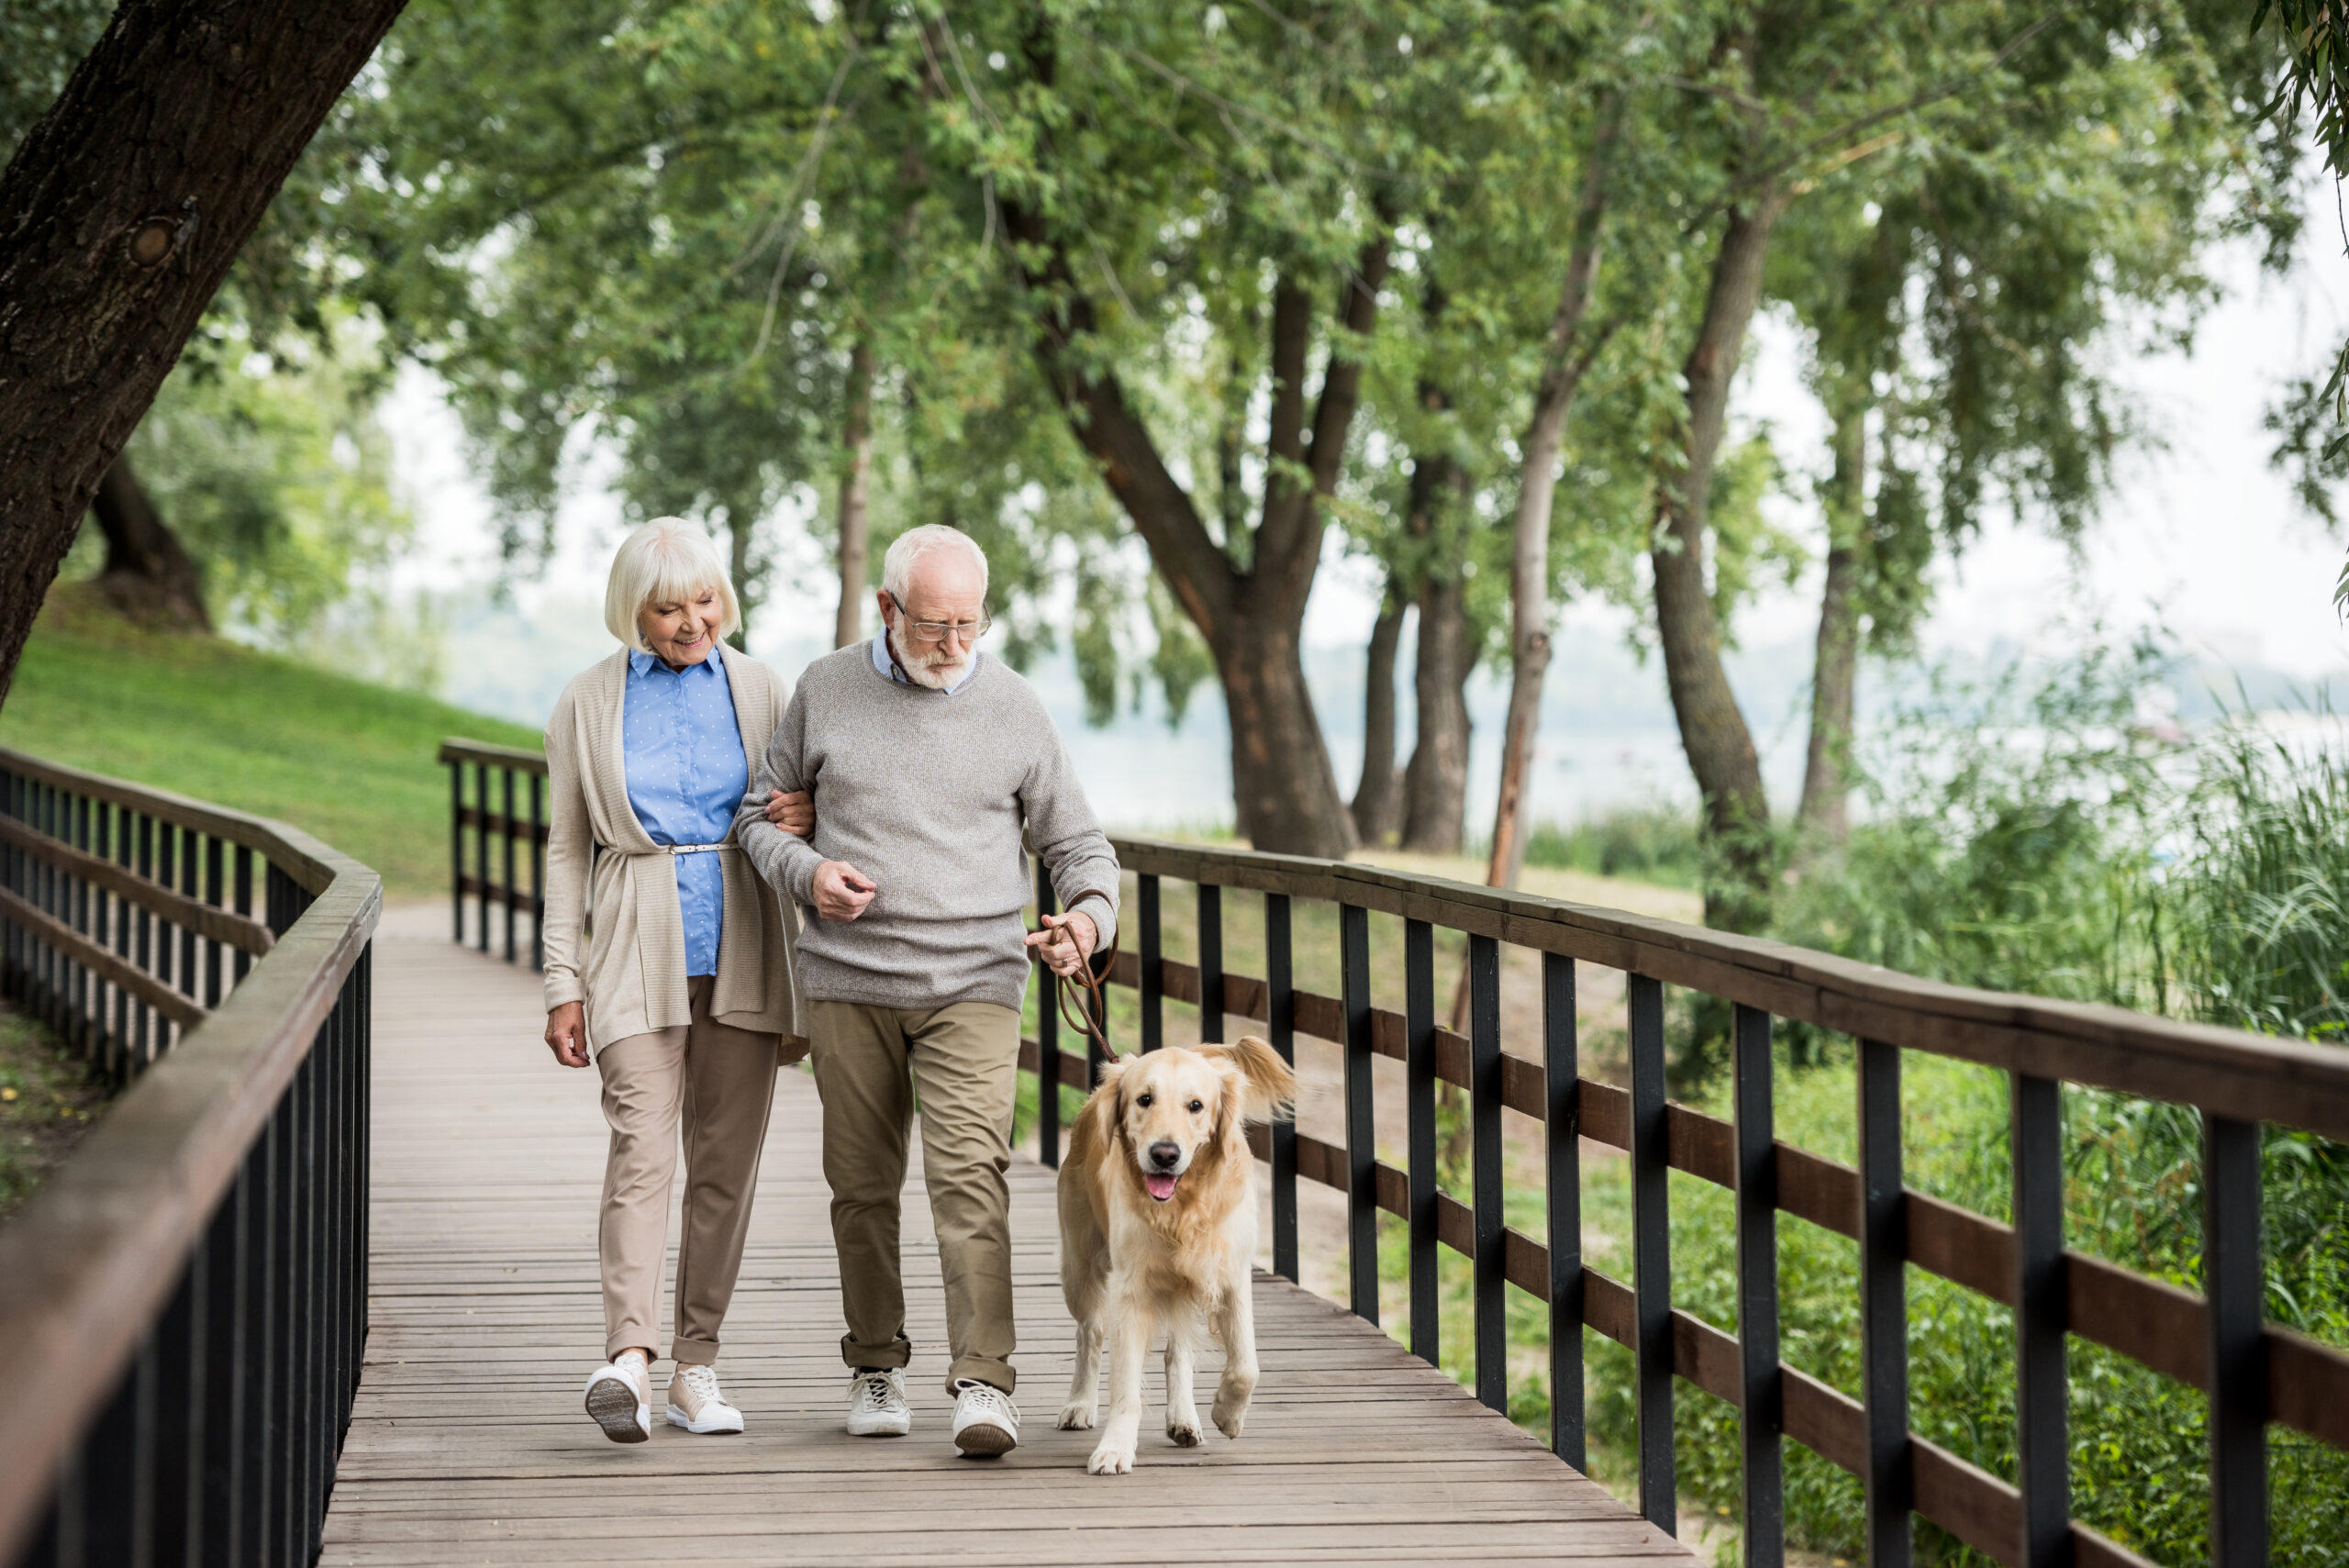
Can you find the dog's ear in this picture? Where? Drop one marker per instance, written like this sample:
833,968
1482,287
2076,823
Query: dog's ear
1107,1107
1268,1085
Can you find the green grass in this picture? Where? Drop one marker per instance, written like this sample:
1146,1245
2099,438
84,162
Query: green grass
348,762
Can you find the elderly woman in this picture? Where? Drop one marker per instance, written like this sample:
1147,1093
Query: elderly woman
681,992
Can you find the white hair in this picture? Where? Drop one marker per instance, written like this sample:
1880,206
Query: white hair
665,562
897,566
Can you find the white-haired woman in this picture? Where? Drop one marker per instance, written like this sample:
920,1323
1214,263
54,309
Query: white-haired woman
683,993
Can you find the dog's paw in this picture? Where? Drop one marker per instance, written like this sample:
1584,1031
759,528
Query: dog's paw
1231,1414
1076,1418
1109,1461
1185,1434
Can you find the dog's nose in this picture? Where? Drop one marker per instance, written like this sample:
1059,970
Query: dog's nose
1164,1154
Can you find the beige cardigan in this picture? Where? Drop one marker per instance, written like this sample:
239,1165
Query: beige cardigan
601,864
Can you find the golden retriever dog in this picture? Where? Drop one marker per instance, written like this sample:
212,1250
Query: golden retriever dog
1158,1229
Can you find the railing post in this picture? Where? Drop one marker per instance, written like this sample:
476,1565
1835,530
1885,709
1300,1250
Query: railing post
481,846
1280,996
538,872
1884,1307
1562,1156
1152,964
1762,1413
505,831
1651,1257
1048,1035
1211,962
457,851
1485,1141
1362,1150
1418,1099
2042,1446
2236,1287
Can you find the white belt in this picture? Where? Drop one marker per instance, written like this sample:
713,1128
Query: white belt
690,848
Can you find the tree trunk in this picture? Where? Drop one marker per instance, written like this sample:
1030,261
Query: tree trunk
746,571
119,215
856,494
1712,730
1435,786
149,577
1283,789
1824,818
1571,352
1379,794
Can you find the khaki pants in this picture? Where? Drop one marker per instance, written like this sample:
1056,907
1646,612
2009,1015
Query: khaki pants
718,1082
965,1061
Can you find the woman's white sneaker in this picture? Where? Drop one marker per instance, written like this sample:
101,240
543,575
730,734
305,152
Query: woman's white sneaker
986,1423
876,1403
696,1404
616,1398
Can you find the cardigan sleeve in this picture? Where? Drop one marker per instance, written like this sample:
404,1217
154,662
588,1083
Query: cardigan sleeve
571,841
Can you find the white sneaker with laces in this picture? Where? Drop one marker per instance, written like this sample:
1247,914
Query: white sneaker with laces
876,1403
986,1423
616,1398
696,1404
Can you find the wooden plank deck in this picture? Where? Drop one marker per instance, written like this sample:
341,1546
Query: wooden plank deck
468,1445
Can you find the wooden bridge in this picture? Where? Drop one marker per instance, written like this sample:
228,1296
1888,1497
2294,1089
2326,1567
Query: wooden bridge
322,1286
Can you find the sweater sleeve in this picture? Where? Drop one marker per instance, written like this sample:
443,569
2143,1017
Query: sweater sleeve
786,861
570,857
1067,838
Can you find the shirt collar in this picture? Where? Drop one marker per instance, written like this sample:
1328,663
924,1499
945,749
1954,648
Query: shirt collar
639,662
888,666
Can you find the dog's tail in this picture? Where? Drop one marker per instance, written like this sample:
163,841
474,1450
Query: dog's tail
1270,1091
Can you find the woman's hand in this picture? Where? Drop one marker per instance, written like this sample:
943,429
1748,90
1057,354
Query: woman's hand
794,813
567,1034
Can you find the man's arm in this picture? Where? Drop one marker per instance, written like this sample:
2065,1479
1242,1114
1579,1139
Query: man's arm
786,859
1069,841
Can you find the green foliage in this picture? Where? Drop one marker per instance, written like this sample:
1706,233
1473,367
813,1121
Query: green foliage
271,469
1643,844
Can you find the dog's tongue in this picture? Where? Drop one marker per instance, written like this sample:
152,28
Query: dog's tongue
1161,1188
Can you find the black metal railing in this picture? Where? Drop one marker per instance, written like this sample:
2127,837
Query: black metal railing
182,1305
490,841
2253,1373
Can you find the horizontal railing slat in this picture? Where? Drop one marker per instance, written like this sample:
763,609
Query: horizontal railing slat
240,931
457,748
182,1010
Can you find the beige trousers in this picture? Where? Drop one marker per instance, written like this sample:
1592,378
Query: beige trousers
965,1061
718,1082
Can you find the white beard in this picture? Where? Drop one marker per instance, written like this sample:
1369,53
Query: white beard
936,671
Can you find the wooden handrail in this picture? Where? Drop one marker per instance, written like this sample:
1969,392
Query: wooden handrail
2235,1073
457,748
86,1266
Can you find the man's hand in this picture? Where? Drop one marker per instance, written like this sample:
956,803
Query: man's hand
567,1034
841,890
1065,943
794,813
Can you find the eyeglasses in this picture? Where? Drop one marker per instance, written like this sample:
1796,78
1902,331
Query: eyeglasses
938,630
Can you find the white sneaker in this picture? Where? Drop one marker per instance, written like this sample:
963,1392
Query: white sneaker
696,1404
616,1398
986,1423
876,1403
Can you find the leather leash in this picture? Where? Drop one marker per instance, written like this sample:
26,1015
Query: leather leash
1073,990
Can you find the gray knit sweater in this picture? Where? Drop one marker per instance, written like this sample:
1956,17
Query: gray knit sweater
925,792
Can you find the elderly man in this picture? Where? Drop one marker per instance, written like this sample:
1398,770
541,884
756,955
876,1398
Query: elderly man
927,759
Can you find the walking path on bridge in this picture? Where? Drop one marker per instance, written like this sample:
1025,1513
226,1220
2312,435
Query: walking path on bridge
468,1445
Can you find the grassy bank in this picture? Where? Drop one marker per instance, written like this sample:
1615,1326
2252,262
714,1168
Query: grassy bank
348,762
49,1099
